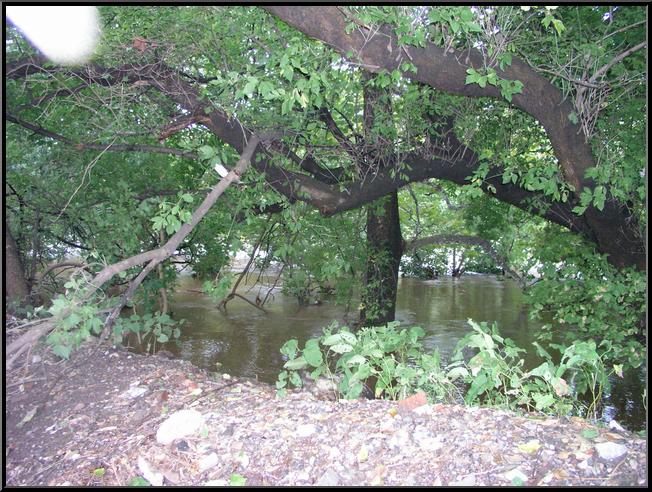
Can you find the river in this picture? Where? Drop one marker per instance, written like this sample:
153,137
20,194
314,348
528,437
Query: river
245,341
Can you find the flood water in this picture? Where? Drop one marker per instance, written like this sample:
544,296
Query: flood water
245,341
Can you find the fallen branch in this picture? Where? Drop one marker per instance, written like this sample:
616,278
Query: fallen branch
234,294
223,302
153,257
171,246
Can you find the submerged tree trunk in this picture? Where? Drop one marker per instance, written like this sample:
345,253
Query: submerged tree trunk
16,288
385,248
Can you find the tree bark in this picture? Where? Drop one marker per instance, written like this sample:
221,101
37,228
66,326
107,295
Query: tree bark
384,250
16,288
384,241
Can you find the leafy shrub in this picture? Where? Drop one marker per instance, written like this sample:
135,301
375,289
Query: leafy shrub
393,358
599,302
150,329
76,321
492,374
496,377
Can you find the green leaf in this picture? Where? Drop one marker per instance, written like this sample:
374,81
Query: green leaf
237,480
139,482
312,354
206,152
250,86
341,348
340,337
289,348
356,360
296,364
589,433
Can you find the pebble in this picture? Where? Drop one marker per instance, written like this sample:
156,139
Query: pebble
609,451
220,482
330,478
613,425
134,392
178,425
464,482
400,439
207,462
515,473
305,430
150,474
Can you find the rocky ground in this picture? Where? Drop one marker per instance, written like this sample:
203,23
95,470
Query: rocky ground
110,417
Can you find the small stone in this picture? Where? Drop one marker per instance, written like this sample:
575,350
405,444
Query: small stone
36,359
150,474
208,461
244,459
613,425
399,440
467,481
220,482
178,425
424,410
546,479
412,402
134,392
515,473
363,454
610,451
330,478
305,430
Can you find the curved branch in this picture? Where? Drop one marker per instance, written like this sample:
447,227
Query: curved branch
104,147
616,59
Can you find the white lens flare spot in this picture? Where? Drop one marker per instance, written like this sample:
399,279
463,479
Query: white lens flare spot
65,34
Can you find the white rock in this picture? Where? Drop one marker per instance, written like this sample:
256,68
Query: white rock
399,440
150,474
330,478
465,482
220,482
515,473
610,450
244,459
207,462
178,425
135,392
305,430
424,410
429,443
613,425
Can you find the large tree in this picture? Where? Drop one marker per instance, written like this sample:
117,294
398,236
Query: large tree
468,105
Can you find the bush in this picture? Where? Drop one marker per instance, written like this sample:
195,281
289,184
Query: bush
388,359
492,374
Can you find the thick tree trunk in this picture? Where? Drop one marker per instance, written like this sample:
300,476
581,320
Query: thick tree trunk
385,248
16,288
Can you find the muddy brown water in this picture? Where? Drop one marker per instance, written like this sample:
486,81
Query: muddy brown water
245,341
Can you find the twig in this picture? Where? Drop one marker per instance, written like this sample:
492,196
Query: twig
23,381
252,303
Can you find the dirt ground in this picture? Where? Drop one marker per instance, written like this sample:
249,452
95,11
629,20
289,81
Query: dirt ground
97,419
